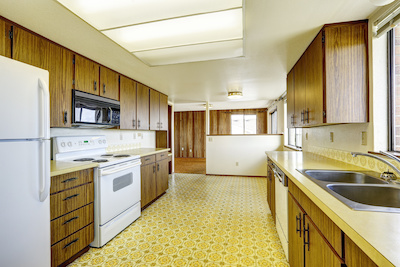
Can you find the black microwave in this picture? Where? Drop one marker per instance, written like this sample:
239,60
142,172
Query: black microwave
93,111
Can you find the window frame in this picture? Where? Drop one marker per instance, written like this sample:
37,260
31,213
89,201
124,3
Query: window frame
391,89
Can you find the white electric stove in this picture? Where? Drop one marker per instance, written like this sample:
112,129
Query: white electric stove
116,182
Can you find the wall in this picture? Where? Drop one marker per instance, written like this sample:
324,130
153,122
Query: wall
223,152
117,139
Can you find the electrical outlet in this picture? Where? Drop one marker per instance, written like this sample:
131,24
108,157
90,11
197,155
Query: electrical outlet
331,137
364,138
306,136
190,150
237,163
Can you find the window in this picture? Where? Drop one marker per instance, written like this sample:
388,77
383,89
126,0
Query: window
394,88
294,137
243,124
274,122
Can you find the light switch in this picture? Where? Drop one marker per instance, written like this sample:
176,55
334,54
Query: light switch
331,136
364,138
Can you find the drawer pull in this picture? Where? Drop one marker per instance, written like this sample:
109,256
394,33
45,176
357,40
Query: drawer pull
70,197
70,220
70,243
147,159
70,180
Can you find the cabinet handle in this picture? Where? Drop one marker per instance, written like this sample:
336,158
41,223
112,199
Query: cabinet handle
104,88
70,243
133,123
160,125
70,180
147,159
70,197
154,168
65,117
307,115
138,123
158,167
306,238
70,220
298,225
95,85
292,121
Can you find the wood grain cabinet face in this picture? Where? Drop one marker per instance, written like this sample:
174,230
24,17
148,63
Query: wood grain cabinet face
354,256
109,83
5,40
290,93
295,233
154,110
162,176
128,103
271,191
148,185
163,112
143,94
87,75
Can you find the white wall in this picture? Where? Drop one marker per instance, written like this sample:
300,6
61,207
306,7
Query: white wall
223,152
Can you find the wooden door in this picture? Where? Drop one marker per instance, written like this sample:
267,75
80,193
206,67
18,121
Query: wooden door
163,112
177,134
142,107
109,83
290,94
154,110
295,233
30,48
128,103
346,71
317,251
5,40
60,66
300,91
314,83
162,176
199,134
148,183
86,75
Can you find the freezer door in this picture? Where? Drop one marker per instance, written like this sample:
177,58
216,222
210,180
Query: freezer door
25,219
24,104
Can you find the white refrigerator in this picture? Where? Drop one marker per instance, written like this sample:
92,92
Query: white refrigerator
24,165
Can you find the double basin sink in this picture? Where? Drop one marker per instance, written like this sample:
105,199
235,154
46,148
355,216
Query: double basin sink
359,190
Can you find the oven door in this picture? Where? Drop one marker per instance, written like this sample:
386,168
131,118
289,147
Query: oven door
118,189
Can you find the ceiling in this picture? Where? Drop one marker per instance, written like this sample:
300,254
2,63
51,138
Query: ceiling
276,34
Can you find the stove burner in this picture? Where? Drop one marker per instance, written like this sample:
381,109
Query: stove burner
107,155
121,156
84,159
100,160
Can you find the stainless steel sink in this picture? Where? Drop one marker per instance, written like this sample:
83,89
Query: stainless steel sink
343,177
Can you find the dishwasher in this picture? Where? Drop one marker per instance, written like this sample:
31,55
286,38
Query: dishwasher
281,206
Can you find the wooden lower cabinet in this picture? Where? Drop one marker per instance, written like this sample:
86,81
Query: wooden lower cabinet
154,177
71,214
354,256
271,191
295,233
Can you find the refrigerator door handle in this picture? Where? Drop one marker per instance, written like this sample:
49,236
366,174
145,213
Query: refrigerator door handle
44,173
45,106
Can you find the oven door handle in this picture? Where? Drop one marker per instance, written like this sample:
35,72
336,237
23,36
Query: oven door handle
108,172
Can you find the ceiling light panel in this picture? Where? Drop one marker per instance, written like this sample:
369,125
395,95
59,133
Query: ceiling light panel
192,53
210,27
106,14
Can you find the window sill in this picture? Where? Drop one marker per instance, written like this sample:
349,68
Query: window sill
294,148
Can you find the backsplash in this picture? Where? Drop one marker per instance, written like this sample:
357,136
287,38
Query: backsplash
117,139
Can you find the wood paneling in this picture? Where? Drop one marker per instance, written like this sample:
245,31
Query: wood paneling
183,135
189,134
128,103
224,121
148,182
290,93
346,63
262,121
163,112
142,107
354,256
5,40
199,132
177,134
70,180
87,74
154,110
162,176
109,80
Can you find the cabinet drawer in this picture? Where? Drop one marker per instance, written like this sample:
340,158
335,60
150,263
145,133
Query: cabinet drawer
148,159
71,222
71,245
70,200
161,156
69,180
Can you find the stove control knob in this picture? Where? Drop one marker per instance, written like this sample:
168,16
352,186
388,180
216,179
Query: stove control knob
62,144
69,144
99,141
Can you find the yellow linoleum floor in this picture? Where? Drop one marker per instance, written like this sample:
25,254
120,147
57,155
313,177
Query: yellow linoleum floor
200,221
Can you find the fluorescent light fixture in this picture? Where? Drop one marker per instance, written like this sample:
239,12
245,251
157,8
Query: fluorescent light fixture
235,94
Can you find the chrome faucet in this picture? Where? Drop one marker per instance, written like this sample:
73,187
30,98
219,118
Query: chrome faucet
388,176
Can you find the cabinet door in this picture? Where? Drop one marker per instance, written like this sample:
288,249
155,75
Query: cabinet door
162,176
163,112
148,183
30,48
60,66
290,94
109,85
86,75
154,110
300,87
314,83
5,40
295,234
317,251
128,103
355,256
142,107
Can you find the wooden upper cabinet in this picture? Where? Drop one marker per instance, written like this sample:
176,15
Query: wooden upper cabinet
5,40
300,87
109,83
290,99
154,110
143,107
128,103
163,112
86,75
